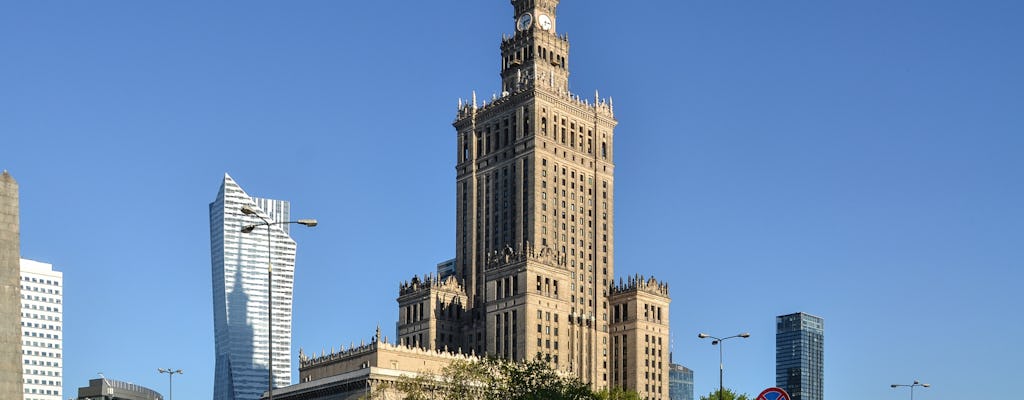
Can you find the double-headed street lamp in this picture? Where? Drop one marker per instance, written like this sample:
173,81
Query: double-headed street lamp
170,379
911,386
247,210
721,364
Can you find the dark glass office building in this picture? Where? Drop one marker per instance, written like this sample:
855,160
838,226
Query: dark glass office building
680,382
799,355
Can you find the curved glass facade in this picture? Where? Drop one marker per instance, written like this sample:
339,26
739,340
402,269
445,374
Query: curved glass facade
240,298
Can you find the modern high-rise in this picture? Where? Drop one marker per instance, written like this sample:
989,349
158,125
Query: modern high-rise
534,240
799,355
446,268
680,382
240,293
42,294
10,290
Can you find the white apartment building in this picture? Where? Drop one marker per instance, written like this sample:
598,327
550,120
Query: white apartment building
42,291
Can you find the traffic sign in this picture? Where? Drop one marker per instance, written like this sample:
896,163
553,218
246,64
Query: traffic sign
773,394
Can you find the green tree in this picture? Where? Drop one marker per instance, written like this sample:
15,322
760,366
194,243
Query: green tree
491,379
618,394
726,395
535,380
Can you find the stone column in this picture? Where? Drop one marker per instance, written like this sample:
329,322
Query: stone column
10,291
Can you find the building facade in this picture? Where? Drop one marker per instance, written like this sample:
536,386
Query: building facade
534,255
533,273
10,290
680,382
446,268
799,355
109,389
240,293
639,337
42,294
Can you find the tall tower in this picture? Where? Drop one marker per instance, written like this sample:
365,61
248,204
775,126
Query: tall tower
533,268
41,322
240,299
799,355
641,357
10,290
535,206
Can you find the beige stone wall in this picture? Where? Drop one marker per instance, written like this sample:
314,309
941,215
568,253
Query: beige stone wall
380,355
431,315
10,292
535,169
640,342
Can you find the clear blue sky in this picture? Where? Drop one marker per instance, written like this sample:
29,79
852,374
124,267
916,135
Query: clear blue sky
858,160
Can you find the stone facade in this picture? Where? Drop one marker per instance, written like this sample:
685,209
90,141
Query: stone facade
377,354
535,170
639,336
430,313
534,262
10,290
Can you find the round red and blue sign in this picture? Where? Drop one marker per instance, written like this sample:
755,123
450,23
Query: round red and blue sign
773,394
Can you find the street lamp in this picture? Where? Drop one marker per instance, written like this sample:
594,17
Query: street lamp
247,210
911,386
170,379
721,365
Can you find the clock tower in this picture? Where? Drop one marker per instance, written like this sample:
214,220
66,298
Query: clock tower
535,50
535,207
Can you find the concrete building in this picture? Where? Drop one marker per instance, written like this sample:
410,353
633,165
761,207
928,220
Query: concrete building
109,389
680,382
42,293
534,254
799,355
240,298
639,336
10,290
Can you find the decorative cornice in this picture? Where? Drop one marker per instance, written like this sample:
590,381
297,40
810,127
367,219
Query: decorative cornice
428,282
639,283
509,255
376,344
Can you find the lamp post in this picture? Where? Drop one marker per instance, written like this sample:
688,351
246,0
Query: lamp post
247,210
721,365
170,379
911,386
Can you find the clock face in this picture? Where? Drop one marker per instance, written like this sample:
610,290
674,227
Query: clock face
525,21
544,21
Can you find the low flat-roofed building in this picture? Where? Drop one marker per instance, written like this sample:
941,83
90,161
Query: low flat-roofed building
109,389
358,371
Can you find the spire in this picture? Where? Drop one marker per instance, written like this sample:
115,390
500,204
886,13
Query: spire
6,177
377,337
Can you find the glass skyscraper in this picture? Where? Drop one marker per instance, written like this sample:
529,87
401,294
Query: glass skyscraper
680,382
799,355
240,272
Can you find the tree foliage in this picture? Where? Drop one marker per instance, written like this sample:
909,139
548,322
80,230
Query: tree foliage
728,394
494,379
618,394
